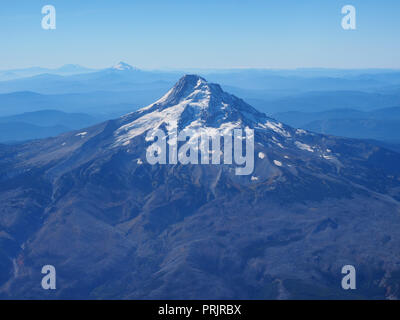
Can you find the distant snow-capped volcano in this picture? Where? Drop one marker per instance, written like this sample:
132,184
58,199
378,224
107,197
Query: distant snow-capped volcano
122,66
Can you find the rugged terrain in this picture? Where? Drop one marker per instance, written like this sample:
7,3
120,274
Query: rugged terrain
115,226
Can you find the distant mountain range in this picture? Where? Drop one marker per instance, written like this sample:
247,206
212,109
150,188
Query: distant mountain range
115,226
121,77
107,103
256,83
321,101
42,124
68,69
338,102
382,124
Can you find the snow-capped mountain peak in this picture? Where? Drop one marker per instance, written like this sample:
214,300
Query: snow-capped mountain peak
122,66
203,107
191,103
205,102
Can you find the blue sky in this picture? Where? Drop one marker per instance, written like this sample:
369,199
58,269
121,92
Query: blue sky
201,34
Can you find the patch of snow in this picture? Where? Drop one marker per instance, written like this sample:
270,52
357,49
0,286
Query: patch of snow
82,134
152,120
276,127
278,163
279,144
301,131
253,178
303,146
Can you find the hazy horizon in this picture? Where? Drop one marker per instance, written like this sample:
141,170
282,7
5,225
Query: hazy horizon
193,69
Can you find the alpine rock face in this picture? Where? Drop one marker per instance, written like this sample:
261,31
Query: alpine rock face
115,226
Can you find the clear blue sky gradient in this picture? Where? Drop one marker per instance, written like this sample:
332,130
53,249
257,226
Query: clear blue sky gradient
160,34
